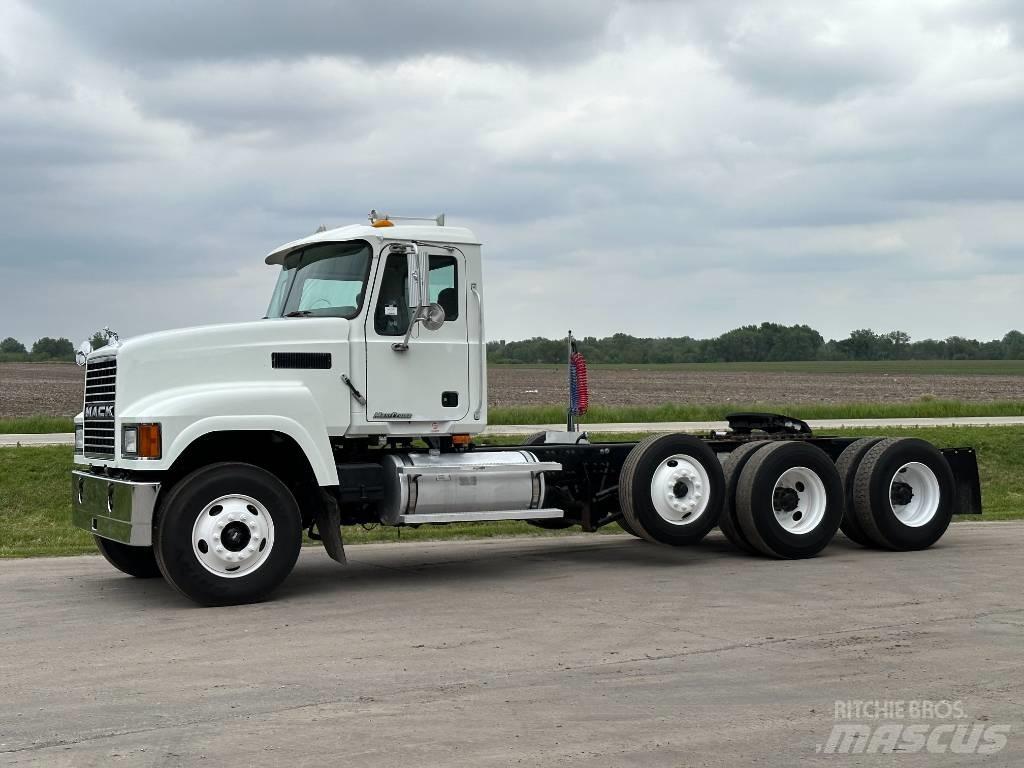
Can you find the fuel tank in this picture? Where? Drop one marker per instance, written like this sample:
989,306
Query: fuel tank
462,486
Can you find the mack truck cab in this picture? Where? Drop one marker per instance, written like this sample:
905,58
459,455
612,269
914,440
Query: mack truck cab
204,454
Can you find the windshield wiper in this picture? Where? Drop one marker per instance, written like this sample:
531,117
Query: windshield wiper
299,313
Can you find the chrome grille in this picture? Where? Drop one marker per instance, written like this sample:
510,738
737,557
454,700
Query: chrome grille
100,388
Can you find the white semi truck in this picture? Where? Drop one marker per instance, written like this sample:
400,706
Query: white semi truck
203,454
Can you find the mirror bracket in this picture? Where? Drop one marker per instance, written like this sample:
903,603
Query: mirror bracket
432,317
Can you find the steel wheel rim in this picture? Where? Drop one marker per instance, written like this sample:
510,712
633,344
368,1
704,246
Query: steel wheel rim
237,534
680,489
799,500
926,494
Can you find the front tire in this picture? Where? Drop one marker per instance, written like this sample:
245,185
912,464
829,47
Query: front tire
228,534
139,562
671,489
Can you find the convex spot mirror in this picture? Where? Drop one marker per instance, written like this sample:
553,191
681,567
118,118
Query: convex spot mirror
84,349
433,316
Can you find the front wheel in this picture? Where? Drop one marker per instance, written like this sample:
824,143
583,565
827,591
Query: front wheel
228,534
139,562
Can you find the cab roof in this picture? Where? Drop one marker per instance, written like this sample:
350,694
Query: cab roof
400,232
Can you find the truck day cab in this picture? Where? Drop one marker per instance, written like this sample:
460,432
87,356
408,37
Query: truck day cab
204,453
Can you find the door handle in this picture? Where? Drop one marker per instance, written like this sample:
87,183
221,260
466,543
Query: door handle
483,354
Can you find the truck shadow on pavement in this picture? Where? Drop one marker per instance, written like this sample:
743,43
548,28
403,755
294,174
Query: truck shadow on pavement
481,564
493,565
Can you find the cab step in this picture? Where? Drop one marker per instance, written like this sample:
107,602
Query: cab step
480,517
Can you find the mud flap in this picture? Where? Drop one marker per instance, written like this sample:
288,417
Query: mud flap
328,525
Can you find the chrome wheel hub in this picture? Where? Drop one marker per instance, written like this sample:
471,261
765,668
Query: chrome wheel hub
233,536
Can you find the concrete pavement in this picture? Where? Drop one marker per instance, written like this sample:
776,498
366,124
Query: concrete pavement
582,650
665,426
55,438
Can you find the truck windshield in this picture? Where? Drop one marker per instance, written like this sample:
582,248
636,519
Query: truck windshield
326,279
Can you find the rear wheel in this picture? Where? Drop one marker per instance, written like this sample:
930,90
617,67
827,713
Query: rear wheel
903,494
624,525
789,500
727,521
846,465
671,489
139,562
228,534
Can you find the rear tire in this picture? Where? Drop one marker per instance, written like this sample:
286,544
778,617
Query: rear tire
846,465
671,489
624,525
139,562
904,494
228,534
790,500
728,523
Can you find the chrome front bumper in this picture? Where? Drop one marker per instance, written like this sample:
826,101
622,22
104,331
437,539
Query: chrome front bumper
120,510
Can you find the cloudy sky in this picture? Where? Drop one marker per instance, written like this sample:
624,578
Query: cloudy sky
659,168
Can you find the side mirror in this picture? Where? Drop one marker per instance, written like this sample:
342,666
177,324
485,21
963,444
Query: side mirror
419,276
84,349
413,281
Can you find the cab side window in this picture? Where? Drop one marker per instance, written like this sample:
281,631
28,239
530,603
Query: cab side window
444,285
391,316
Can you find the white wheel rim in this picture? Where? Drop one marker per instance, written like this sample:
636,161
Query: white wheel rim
680,489
925,496
799,500
236,533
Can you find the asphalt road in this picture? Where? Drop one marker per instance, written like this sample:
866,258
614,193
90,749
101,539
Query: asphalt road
68,438
583,650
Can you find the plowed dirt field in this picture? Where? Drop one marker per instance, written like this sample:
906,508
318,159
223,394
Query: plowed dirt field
45,389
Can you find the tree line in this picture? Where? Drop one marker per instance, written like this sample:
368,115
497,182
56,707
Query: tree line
44,350
767,342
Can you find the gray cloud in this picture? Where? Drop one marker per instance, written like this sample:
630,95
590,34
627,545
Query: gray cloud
661,158
141,33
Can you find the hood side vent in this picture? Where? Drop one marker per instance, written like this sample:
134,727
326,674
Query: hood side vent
301,360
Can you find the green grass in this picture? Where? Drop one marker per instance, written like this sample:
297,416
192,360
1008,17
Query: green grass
35,425
35,490
35,503
916,367
598,414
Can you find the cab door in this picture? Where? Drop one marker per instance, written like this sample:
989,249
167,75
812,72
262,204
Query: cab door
428,382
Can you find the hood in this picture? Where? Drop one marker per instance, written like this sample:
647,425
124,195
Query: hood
220,354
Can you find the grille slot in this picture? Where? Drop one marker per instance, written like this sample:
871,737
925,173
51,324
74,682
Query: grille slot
100,390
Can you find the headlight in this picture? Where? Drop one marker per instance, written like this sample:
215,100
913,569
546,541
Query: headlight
141,441
79,438
130,441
